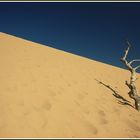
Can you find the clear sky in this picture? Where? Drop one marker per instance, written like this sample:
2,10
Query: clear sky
94,30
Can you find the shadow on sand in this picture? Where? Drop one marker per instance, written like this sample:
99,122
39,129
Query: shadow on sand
121,99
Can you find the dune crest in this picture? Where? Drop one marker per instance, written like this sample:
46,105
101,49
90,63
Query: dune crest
46,92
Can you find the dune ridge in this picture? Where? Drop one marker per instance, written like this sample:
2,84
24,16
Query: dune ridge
50,93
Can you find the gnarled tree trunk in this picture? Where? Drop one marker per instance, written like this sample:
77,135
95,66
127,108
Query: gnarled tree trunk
133,90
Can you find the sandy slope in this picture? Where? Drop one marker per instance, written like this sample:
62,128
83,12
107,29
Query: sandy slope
45,92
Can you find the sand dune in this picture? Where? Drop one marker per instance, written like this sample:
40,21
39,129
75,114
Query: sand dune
45,92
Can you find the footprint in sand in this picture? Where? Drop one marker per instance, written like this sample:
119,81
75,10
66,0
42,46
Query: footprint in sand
24,85
44,124
38,66
33,79
103,121
117,111
81,96
69,85
86,93
132,125
101,113
52,93
102,117
87,111
26,113
11,89
47,106
90,127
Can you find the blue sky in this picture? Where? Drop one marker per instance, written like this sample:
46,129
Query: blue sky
94,30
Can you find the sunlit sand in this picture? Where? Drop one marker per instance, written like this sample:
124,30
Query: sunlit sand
45,92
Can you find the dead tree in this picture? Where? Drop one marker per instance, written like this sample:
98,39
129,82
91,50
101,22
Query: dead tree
133,90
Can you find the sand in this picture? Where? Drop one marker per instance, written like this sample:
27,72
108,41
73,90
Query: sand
45,92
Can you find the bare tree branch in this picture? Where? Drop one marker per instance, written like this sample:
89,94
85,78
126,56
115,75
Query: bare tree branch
123,59
135,60
126,51
137,67
128,43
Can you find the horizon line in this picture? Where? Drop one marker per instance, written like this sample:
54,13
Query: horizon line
69,52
